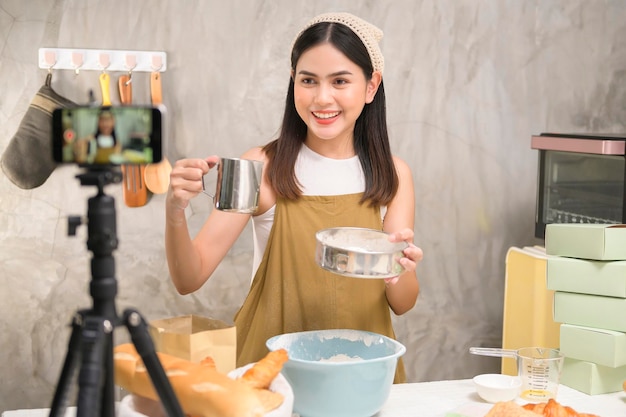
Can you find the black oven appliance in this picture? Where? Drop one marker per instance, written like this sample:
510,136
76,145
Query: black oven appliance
581,179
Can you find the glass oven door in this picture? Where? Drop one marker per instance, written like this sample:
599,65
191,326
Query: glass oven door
579,188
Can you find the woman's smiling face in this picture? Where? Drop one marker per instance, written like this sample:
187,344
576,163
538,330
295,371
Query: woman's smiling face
330,92
106,123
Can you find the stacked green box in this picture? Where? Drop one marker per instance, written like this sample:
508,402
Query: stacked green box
586,268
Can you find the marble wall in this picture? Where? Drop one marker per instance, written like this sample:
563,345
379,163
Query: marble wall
468,82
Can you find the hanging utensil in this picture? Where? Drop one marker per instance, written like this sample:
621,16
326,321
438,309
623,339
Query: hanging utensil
157,175
134,188
105,88
125,88
156,88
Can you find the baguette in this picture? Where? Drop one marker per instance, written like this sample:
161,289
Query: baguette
201,390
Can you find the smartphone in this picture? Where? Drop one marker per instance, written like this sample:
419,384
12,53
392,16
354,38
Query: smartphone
108,135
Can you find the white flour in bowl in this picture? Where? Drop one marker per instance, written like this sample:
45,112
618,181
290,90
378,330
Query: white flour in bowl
341,357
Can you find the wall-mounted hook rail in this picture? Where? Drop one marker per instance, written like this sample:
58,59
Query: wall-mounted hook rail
102,60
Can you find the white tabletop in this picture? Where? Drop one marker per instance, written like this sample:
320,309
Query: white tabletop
436,399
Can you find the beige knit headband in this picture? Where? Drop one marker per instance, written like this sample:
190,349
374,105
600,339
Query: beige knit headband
369,34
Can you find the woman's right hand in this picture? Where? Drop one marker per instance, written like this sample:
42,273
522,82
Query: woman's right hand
186,180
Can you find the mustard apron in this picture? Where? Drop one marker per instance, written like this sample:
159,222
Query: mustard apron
291,293
103,155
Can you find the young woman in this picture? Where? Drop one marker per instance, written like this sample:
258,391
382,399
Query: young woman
330,166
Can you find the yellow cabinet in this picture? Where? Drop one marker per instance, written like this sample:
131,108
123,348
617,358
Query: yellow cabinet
527,317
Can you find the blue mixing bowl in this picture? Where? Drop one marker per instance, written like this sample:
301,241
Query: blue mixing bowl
338,372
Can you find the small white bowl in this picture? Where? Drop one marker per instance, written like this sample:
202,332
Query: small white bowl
496,387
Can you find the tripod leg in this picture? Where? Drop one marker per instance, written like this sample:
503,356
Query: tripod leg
91,377
59,401
145,348
108,388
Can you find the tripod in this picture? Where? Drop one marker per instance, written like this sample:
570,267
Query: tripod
91,340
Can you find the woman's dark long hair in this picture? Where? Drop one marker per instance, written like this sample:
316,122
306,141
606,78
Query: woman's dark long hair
371,141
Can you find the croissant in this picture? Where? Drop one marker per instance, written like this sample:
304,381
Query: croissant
509,409
552,408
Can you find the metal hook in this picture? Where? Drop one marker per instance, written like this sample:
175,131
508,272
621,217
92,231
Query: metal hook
77,61
104,61
157,63
49,57
130,77
131,64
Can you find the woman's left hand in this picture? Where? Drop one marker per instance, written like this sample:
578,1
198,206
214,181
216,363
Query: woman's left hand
412,254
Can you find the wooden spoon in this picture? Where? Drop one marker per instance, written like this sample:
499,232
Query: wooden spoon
157,175
134,188
125,87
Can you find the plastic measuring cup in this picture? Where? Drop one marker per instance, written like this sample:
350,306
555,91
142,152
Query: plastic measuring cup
539,369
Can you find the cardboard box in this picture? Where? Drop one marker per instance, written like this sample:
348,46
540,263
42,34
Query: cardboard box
599,346
597,311
195,338
591,378
602,242
527,316
587,276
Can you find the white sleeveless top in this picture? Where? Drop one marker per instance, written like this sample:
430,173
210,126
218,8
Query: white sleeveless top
317,175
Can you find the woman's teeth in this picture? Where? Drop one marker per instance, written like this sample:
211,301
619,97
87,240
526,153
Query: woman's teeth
325,115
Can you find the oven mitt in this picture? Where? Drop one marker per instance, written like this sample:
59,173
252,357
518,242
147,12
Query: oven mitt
27,161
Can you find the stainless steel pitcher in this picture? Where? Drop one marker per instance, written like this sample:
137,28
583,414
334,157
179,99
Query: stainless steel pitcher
238,185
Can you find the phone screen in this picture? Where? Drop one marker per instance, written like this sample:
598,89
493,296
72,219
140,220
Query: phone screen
111,135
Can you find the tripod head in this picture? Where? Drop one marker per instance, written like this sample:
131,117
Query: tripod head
100,176
101,210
